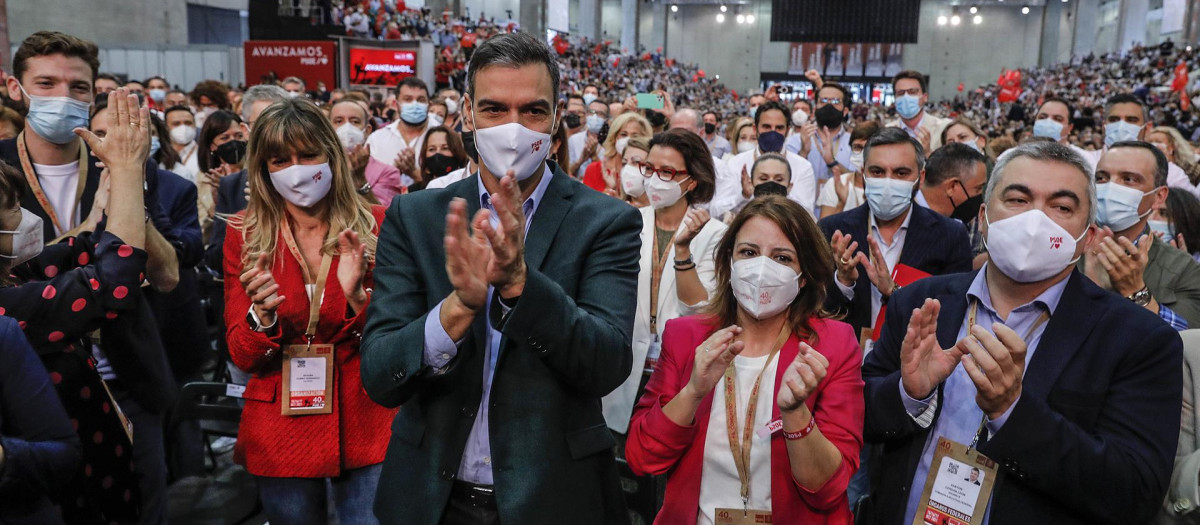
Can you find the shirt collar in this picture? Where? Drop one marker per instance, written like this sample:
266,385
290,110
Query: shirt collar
1048,299
903,224
919,122
531,204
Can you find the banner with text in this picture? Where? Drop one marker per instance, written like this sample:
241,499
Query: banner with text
272,60
381,67
846,60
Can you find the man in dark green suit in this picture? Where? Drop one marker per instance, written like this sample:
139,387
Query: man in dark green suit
497,344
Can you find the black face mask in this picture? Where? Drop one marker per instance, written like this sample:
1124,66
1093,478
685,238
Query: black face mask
572,120
709,128
770,188
829,116
468,138
969,209
439,164
231,152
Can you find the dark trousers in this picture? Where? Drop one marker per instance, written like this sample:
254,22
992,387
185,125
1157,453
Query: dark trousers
469,505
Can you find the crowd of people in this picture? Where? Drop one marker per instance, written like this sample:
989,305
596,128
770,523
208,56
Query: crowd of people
470,304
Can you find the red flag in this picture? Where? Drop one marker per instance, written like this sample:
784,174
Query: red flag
961,87
1010,86
1181,78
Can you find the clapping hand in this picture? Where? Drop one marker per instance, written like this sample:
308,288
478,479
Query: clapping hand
996,364
692,223
262,290
801,378
467,257
506,267
845,249
747,184
1124,262
126,145
923,362
352,267
712,358
878,271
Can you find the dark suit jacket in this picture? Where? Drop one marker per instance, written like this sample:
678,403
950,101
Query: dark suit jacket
1092,437
933,244
131,341
180,318
231,198
565,345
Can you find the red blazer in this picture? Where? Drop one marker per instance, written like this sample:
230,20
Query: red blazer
656,445
270,444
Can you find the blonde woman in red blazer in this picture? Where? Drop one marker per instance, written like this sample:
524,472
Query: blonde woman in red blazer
764,327
303,216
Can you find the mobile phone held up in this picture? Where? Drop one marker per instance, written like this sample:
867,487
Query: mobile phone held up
649,100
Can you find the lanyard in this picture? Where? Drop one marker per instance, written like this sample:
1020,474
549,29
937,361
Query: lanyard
658,265
191,151
314,302
1041,320
36,187
741,448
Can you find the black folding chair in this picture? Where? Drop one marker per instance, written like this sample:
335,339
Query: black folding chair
212,403
643,494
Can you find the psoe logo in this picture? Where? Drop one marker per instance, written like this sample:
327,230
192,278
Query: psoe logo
1056,243
537,146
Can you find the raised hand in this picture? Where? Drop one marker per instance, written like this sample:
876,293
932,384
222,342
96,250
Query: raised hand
352,267
126,146
712,358
406,162
1124,262
924,137
923,362
996,365
845,250
506,267
692,223
467,257
747,184
359,158
826,144
262,290
815,77
801,378
99,202
841,186
878,271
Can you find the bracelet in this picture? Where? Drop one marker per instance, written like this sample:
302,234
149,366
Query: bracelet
684,262
792,436
684,268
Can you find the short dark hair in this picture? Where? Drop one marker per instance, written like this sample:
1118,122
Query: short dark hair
1160,160
107,76
173,109
1183,209
713,113
914,75
156,77
866,130
888,136
413,82
951,161
696,158
46,43
839,87
1060,100
513,50
1126,98
214,125
772,106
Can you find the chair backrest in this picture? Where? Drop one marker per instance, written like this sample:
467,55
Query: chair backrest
201,400
641,493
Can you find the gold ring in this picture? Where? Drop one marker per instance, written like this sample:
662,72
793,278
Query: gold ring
844,261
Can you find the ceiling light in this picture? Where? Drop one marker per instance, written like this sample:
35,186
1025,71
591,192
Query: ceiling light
974,9
720,18
749,19
977,20
941,20
674,9
723,8
741,19
955,19
1025,10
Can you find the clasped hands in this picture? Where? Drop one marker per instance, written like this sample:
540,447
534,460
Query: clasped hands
486,255
995,363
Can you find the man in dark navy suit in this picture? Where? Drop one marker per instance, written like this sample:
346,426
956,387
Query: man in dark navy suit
1073,391
888,230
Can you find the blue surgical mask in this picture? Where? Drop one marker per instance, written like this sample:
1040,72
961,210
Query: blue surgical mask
1162,227
588,98
888,198
908,106
1117,206
594,123
1120,131
414,112
55,118
155,144
771,142
158,95
1048,128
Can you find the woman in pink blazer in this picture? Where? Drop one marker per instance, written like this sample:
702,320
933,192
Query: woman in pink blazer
757,406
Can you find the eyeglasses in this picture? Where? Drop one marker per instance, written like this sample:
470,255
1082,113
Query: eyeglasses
666,174
831,101
602,114
912,91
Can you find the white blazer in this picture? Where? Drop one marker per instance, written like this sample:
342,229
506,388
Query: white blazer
618,405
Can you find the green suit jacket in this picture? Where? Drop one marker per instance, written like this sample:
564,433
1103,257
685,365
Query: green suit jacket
565,345
1173,278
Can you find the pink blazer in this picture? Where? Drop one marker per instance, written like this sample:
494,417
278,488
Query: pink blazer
656,445
385,181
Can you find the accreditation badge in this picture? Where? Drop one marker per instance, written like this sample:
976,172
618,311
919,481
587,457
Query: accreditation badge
740,516
307,379
958,486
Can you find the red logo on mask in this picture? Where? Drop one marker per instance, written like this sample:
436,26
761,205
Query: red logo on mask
317,177
1056,243
764,298
537,145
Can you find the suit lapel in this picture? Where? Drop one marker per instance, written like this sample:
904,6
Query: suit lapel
954,309
550,212
918,237
1064,335
468,190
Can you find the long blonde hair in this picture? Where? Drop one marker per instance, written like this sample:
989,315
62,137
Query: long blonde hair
297,125
610,142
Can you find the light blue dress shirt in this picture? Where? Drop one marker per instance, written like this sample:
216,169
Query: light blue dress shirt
960,416
476,466
842,154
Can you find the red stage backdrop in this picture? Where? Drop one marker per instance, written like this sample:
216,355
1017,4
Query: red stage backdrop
381,67
312,61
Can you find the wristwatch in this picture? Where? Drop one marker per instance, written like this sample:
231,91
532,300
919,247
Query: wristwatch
830,165
1140,297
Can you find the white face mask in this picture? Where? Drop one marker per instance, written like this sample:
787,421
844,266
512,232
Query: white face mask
799,118
857,160
435,120
451,106
888,198
746,145
183,134
620,144
1117,206
202,115
512,147
662,193
632,181
27,238
303,184
350,136
1030,247
763,287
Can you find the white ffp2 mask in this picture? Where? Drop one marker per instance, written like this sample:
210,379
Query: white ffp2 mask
632,181
763,287
303,184
1030,247
512,147
27,238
